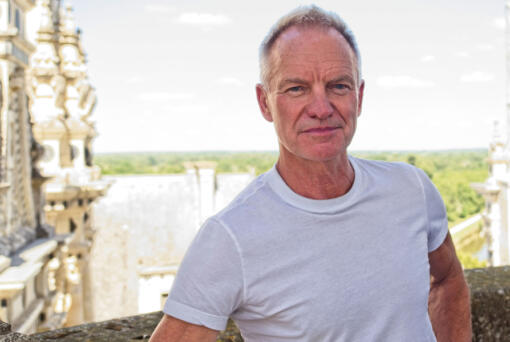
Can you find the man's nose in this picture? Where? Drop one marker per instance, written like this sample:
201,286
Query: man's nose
319,107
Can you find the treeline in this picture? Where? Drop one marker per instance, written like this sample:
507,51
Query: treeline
173,162
451,171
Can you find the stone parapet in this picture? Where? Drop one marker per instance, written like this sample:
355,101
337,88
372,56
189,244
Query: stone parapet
490,305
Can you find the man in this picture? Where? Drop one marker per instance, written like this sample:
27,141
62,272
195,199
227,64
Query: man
323,247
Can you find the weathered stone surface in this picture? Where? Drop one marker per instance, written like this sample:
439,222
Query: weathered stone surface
5,328
490,303
16,337
134,328
7,336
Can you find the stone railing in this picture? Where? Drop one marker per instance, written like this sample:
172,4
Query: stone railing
490,305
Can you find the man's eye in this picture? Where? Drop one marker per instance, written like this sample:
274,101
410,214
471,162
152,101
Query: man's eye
340,86
295,89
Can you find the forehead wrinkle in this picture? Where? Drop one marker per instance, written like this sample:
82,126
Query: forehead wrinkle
283,51
330,71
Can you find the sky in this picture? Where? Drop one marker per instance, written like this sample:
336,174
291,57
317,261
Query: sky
180,75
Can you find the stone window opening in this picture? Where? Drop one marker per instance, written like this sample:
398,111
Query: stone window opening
18,22
72,226
17,19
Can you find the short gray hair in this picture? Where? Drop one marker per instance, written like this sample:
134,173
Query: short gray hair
305,16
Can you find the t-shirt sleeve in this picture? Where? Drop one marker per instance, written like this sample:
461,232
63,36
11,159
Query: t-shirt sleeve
209,283
436,213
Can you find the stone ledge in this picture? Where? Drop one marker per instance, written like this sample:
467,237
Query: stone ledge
133,328
490,305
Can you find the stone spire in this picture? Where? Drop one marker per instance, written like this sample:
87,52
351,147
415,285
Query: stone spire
44,61
72,60
498,156
46,22
67,22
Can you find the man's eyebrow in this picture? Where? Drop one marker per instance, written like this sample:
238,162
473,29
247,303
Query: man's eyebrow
291,80
343,78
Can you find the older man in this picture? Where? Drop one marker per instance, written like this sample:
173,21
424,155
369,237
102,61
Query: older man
324,246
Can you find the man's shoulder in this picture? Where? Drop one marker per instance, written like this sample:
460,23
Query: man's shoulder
394,173
384,167
250,195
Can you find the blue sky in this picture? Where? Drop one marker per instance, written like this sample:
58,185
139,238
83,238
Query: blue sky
174,75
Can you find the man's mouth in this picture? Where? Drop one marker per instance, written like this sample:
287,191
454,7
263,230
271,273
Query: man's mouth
321,129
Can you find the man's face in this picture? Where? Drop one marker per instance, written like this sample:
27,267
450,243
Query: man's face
313,95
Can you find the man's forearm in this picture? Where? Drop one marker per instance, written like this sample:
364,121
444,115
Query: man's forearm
449,309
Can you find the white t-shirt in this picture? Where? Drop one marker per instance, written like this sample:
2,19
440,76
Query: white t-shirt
290,268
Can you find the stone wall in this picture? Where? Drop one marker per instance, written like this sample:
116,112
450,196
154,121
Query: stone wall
490,305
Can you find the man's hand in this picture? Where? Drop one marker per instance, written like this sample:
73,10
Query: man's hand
449,307
171,329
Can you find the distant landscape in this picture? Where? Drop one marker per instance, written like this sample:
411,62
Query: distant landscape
451,171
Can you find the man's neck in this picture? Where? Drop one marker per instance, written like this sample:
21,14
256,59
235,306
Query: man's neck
316,180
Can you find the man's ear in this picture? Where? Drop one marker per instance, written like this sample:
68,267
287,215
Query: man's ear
262,100
360,96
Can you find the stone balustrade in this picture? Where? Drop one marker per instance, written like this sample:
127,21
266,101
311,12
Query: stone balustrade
490,305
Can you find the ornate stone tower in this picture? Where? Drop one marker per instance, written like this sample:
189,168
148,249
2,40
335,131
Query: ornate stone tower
62,101
16,202
19,210
45,104
496,190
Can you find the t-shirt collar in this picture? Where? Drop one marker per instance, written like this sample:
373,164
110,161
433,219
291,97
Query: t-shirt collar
332,205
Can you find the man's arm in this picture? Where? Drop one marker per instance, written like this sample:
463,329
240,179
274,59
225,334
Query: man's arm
449,307
171,329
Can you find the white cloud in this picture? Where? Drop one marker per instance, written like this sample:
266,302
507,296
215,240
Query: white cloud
428,58
161,96
230,81
158,8
203,19
403,81
462,54
476,77
499,23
